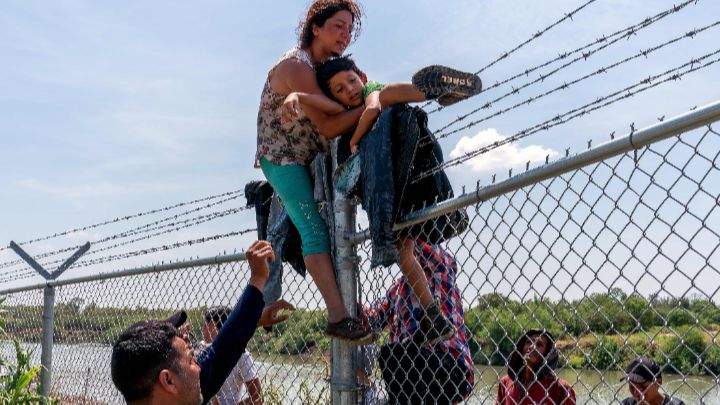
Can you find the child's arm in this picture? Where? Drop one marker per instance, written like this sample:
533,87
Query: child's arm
394,93
367,119
399,93
294,101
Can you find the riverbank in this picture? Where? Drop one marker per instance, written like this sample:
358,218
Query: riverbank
81,376
599,332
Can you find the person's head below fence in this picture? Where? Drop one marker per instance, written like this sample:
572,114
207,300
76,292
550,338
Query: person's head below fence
215,318
531,373
333,23
644,378
534,357
151,360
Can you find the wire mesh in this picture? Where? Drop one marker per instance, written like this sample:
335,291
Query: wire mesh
616,260
291,361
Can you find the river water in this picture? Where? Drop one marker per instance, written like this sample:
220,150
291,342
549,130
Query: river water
83,371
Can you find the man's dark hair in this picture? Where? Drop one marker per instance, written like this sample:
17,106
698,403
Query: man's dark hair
320,11
217,315
326,70
138,356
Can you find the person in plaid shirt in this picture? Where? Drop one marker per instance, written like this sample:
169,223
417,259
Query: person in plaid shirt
442,373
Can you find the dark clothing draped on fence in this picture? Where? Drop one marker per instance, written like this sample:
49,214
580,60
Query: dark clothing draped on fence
398,148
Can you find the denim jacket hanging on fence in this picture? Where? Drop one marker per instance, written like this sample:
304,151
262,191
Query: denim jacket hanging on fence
397,149
275,225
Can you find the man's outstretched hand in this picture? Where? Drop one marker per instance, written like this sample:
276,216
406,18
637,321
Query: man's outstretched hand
270,316
258,255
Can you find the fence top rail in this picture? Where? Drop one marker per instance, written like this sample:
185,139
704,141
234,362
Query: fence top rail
157,268
694,119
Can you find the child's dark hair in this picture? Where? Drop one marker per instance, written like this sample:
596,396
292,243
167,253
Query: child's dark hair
326,70
320,11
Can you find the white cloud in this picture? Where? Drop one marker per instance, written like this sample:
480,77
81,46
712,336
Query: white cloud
503,157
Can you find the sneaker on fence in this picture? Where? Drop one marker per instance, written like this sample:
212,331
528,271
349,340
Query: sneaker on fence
350,330
434,327
446,85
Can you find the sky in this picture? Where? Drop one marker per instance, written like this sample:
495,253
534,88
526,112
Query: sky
111,109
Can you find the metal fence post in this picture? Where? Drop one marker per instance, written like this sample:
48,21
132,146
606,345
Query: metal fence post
48,325
344,382
48,328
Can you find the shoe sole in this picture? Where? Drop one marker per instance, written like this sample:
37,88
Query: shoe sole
437,81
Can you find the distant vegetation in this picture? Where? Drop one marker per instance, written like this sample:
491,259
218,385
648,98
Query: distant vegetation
601,331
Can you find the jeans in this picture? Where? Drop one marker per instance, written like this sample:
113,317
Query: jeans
392,155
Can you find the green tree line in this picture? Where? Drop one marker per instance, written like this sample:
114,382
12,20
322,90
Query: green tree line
601,331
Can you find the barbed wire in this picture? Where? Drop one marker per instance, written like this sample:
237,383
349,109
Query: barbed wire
26,272
188,223
175,245
601,102
566,85
538,34
625,33
149,227
125,218
141,252
568,16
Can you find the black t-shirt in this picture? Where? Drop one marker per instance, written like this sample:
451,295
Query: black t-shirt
668,401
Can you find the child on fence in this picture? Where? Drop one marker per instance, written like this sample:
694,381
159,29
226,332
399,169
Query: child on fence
341,80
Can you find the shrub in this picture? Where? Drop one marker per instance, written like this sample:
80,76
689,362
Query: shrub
607,354
680,317
684,351
712,359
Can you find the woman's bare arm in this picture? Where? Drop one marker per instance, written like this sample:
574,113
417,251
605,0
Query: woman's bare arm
295,76
398,93
296,101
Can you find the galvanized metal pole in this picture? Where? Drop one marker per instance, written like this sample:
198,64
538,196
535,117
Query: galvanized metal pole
48,328
344,384
48,324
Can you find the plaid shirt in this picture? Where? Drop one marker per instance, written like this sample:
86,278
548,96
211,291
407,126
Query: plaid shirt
395,311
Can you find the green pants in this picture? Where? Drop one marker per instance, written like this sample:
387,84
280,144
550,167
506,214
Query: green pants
293,185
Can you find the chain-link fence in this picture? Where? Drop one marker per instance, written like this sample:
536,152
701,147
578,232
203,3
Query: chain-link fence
613,253
616,259
290,361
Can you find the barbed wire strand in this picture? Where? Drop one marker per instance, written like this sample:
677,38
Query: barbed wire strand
580,111
27,272
125,218
141,252
566,85
149,227
538,34
625,33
